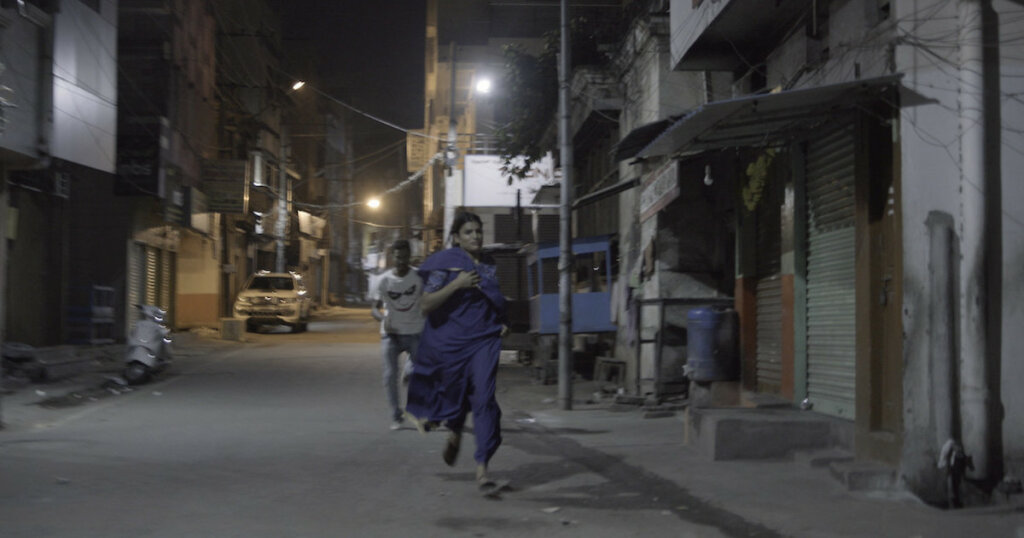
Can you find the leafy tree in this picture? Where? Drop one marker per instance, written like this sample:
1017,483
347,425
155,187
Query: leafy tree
531,84
531,101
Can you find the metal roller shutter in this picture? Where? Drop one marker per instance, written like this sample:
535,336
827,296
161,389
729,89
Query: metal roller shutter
831,314
167,265
769,292
136,285
769,334
152,275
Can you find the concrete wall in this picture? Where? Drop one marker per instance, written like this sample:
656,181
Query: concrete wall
1011,290
198,282
932,147
85,85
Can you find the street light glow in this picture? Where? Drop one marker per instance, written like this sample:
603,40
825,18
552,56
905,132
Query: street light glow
374,203
298,84
483,85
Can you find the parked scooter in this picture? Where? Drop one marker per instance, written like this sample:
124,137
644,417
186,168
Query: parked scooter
148,350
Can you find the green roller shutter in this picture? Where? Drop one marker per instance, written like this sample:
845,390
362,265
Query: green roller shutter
831,315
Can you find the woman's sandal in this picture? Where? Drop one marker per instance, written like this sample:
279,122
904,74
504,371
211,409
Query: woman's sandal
423,425
451,448
486,486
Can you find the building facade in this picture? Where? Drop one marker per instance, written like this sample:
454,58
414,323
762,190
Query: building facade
166,126
857,158
58,147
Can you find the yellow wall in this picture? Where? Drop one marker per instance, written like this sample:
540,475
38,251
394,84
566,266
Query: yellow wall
198,285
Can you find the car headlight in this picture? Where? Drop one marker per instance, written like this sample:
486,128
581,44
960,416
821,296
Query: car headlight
244,300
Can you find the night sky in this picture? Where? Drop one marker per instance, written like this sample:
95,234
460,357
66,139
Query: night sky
369,54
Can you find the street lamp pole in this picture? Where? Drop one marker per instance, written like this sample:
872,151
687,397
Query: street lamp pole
565,223
282,201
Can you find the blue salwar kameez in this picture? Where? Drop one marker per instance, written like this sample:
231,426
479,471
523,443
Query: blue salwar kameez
457,360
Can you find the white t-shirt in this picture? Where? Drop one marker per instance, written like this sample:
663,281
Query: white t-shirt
401,297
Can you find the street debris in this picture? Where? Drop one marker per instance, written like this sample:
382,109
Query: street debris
551,509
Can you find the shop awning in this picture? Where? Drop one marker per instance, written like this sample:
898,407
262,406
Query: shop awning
759,120
601,194
638,138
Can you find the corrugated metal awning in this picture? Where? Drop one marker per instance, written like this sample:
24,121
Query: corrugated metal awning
759,120
639,138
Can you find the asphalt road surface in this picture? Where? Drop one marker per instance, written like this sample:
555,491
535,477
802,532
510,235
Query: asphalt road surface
286,435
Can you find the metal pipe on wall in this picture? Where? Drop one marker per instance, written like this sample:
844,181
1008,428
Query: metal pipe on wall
942,324
975,394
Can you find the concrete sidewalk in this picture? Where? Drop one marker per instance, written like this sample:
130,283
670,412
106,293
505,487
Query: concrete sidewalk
788,496
79,375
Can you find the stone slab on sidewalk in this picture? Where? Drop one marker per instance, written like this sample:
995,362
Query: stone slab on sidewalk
756,433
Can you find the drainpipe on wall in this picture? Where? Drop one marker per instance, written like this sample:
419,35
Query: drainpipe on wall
942,323
975,394
942,290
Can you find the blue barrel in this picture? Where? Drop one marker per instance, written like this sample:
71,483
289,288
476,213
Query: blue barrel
711,348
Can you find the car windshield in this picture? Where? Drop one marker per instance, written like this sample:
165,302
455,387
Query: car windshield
270,283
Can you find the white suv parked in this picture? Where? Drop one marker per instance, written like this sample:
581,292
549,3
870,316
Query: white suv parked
273,298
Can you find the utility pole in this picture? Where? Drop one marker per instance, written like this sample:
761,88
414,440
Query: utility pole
282,201
452,124
565,223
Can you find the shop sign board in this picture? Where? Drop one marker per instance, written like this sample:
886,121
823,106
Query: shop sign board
659,190
226,185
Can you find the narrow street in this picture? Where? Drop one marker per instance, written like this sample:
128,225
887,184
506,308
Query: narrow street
287,435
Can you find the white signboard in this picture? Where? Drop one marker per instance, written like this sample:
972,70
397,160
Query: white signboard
485,185
659,190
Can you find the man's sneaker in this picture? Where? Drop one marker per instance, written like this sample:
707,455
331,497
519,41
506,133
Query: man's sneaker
396,425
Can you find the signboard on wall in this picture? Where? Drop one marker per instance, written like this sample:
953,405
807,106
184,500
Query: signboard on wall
226,185
659,190
415,150
485,185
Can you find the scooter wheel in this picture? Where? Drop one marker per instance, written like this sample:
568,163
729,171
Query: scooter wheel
136,373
